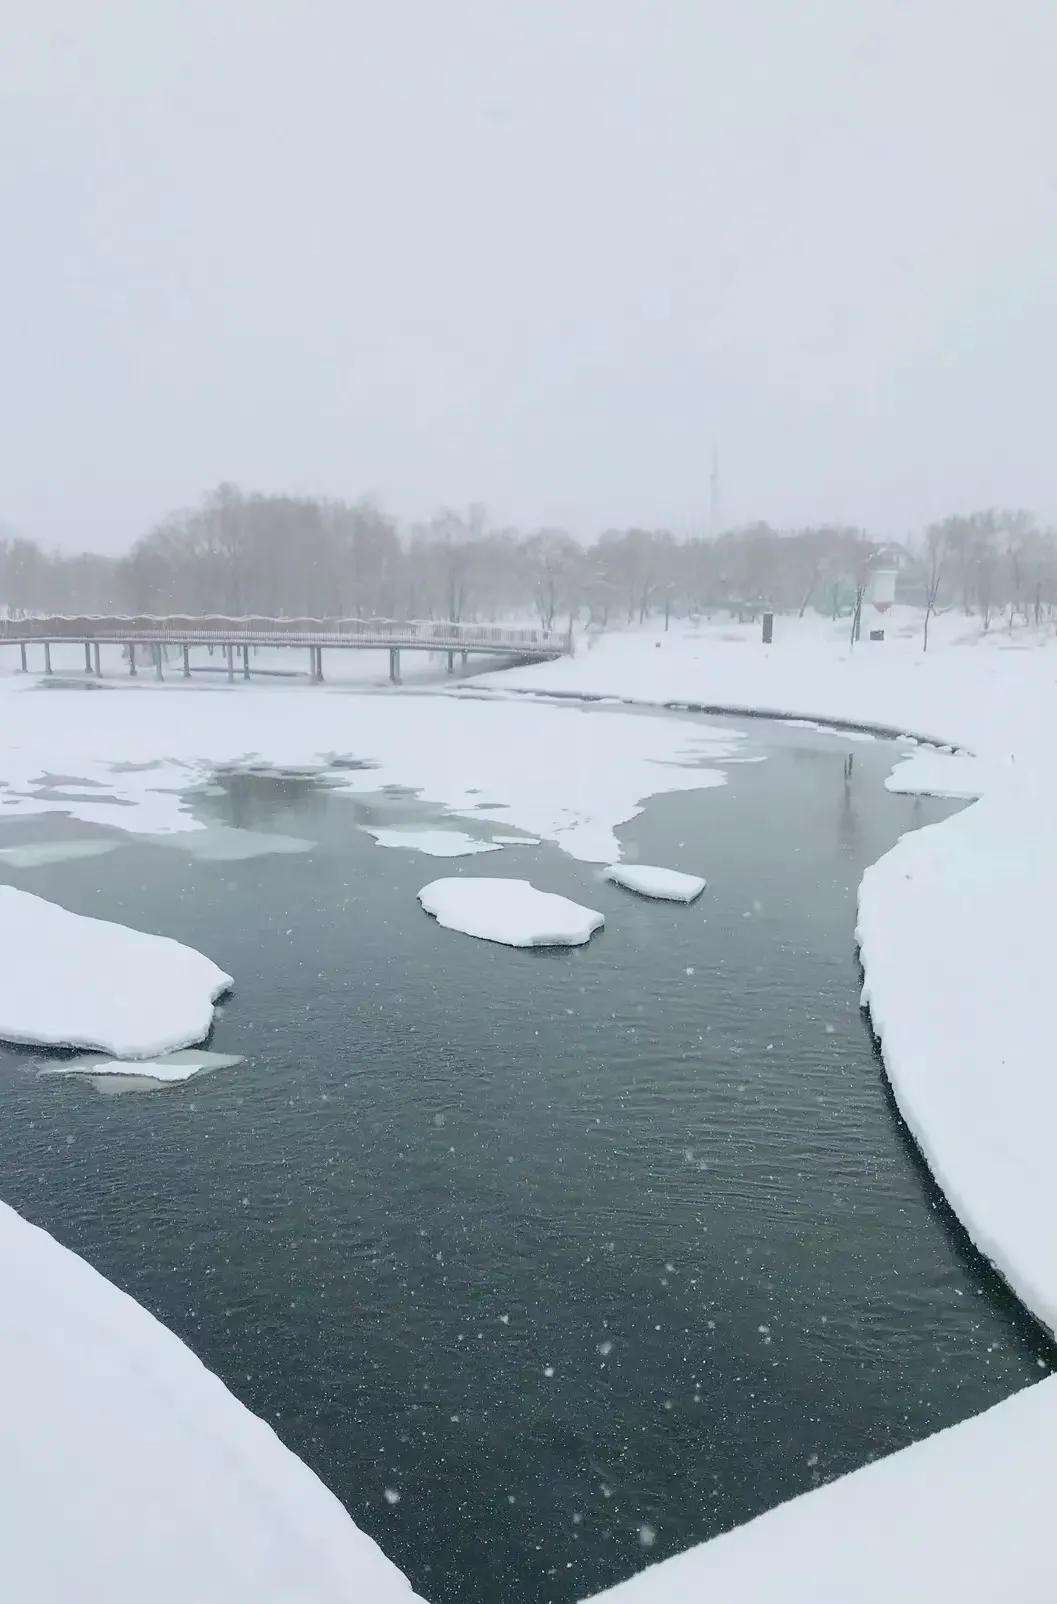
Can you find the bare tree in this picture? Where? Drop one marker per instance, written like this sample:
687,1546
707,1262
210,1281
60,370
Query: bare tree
936,551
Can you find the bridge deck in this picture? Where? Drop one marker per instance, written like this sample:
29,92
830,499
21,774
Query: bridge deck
426,635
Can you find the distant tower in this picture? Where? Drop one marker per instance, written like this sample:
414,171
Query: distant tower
713,495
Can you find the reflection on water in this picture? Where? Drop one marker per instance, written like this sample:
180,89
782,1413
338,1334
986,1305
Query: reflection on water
558,1246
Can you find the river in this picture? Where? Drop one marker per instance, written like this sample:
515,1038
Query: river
550,1263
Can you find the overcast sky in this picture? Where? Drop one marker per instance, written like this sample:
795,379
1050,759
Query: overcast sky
537,253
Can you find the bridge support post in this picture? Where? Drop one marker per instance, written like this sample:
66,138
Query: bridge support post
47,657
95,660
87,658
230,653
245,662
158,662
22,650
451,662
132,659
319,664
465,658
187,662
394,664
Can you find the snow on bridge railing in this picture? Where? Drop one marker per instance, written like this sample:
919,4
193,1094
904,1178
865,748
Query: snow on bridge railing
217,627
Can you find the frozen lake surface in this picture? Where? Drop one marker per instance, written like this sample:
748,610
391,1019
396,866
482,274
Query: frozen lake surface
584,1255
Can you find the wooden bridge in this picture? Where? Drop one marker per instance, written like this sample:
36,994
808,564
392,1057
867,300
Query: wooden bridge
151,636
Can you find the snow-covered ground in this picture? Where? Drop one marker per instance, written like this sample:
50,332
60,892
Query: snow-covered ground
509,911
68,981
991,693
129,1472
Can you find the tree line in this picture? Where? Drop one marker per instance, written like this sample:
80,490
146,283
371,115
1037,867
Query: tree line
293,556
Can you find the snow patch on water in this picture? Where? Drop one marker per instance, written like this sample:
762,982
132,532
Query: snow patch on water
509,911
167,1070
70,981
41,854
668,885
558,772
434,843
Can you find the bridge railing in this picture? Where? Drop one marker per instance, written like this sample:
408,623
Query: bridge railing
257,629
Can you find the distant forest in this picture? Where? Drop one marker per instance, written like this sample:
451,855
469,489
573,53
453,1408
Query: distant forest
239,553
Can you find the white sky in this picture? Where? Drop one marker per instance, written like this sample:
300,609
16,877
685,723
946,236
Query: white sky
538,253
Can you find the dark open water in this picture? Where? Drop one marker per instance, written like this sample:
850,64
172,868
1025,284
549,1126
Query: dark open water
569,1250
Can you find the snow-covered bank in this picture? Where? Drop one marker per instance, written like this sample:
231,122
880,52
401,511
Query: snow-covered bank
956,775
129,1472
68,981
991,693
962,1516
955,932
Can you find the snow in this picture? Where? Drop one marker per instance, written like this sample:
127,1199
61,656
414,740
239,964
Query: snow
950,774
435,843
129,1471
955,931
990,693
173,1068
667,884
963,1515
70,981
557,773
43,854
510,911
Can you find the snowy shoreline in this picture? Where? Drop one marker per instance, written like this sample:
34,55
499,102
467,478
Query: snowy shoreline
777,715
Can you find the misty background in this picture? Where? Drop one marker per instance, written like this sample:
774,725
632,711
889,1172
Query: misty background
483,284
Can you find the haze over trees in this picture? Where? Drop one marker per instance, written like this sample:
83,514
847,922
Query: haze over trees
242,552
